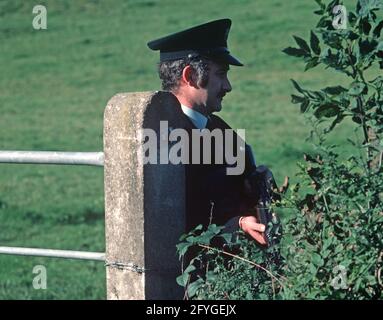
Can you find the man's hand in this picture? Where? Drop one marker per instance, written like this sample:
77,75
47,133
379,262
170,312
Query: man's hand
250,225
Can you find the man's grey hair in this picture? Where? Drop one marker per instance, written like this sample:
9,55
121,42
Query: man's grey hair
170,72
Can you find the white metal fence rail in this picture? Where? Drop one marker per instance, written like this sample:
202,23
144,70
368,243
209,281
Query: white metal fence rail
60,158
67,254
53,157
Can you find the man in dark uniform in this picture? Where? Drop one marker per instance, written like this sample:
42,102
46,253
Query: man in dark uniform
193,66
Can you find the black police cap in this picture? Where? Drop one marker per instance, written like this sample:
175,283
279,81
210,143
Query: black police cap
207,40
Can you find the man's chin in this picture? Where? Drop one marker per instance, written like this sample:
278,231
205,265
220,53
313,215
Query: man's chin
218,107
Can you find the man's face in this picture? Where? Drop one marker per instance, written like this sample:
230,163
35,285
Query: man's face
210,97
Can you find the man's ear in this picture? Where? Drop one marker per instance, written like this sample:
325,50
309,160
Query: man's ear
188,76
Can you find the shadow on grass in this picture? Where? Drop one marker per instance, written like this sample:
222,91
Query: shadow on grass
86,217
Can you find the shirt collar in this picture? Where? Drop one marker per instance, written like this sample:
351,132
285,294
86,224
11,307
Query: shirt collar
197,118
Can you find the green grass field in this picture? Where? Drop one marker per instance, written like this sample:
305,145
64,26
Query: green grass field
55,83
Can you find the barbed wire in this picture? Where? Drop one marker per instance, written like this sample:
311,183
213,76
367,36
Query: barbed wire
125,266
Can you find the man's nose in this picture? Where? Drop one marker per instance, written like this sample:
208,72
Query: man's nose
227,86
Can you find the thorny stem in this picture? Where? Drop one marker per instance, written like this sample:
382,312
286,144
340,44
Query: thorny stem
243,259
365,131
324,216
273,287
355,73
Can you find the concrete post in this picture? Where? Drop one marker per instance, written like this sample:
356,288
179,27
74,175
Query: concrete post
144,204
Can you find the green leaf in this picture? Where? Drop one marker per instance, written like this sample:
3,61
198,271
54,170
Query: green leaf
302,44
327,242
357,119
365,7
352,18
317,260
327,110
191,239
211,276
297,87
367,46
182,248
333,39
304,106
378,82
365,26
297,99
313,62
182,280
337,120
324,23
314,43
295,52
321,4
184,236
351,35
378,29
263,296
214,228
206,237
313,268
334,90
193,287
325,253
356,88
318,95
189,269
227,237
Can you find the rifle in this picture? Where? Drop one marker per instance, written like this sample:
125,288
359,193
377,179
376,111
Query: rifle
261,192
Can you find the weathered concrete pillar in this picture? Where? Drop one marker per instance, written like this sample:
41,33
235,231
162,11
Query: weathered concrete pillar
144,204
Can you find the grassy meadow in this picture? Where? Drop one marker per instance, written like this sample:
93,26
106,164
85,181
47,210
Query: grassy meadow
55,84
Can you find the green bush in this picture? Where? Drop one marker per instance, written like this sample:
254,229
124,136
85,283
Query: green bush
332,246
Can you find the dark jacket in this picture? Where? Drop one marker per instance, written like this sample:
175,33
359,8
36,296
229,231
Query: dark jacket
212,196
